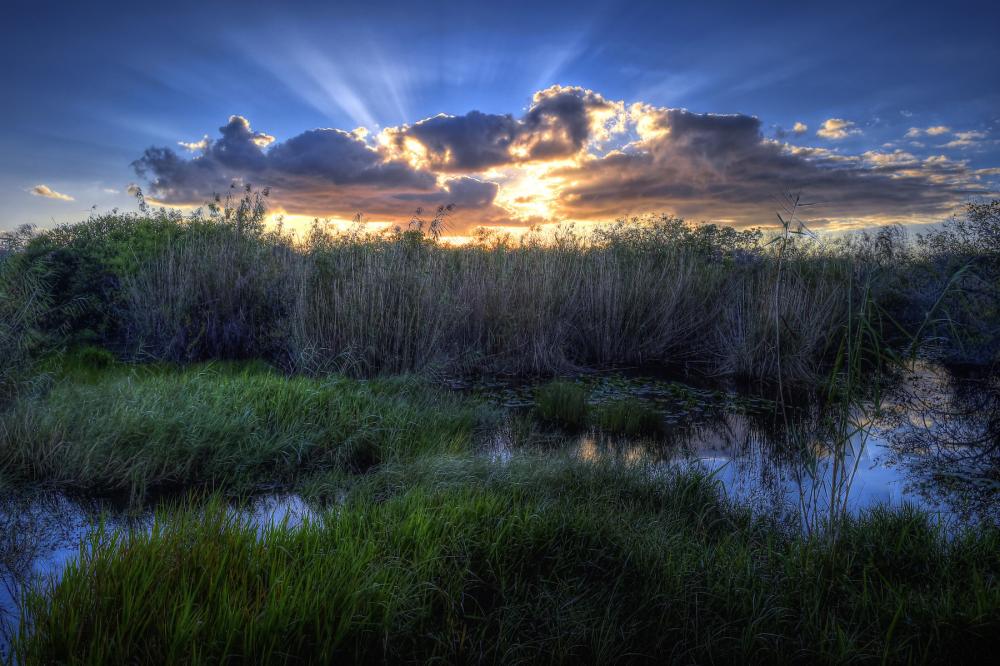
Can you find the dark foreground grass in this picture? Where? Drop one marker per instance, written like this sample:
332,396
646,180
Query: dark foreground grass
539,561
233,427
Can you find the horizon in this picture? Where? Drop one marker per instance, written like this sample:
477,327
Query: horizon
533,117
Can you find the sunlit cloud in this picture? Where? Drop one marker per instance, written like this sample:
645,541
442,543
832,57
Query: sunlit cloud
195,146
575,155
49,193
837,128
935,130
558,124
965,139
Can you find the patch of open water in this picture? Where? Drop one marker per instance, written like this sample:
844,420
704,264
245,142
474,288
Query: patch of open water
933,443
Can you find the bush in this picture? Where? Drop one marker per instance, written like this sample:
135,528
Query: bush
23,303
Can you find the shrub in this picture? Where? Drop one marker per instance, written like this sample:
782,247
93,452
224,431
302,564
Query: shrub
23,303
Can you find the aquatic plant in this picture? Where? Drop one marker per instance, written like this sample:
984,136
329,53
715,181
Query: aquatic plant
563,403
234,427
541,560
629,416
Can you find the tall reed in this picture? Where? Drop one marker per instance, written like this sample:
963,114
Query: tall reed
371,304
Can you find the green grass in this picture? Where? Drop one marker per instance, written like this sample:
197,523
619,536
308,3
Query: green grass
629,416
539,561
233,427
563,403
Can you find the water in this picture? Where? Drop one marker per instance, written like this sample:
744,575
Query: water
934,444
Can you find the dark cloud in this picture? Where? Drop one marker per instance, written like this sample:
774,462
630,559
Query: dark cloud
558,124
318,172
341,158
472,142
709,166
468,192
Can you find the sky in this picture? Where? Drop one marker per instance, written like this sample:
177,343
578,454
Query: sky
517,113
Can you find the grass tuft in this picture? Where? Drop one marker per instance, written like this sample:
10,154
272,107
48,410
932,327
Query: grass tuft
563,403
629,416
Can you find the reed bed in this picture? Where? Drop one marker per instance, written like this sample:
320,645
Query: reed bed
367,304
653,291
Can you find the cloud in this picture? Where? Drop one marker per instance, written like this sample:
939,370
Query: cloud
720,167
49,193
195,146
558,124
935,130
323,172
836,129
572,154
965,139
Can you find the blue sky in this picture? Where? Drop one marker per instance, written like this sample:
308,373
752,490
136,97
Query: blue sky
90,88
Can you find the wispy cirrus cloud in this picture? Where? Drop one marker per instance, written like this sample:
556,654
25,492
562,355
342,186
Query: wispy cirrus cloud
49,193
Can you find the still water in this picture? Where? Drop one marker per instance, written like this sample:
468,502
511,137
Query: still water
932,441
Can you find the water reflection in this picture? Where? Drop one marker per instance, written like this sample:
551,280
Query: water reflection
945,431
934,442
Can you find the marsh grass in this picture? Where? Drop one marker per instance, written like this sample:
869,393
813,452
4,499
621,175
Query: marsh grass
434,554
548,561
159,286
234,427
563,403
629,416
